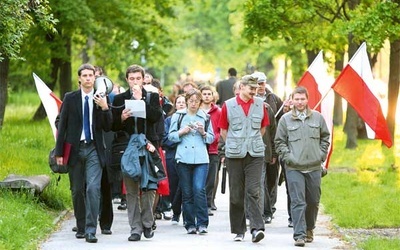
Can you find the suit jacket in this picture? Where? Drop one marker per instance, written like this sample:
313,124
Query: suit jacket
154,113
71,124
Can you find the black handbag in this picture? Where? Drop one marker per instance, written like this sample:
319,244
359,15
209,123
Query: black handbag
55,168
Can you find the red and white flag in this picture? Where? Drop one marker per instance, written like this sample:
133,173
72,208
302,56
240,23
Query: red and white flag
51,102
355,84
318,84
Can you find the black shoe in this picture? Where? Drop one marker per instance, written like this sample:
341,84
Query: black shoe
134,237
91,238
148,233
122,207
175,219
106,231
213,207
210,213
257,235
80,235
290,223
75,229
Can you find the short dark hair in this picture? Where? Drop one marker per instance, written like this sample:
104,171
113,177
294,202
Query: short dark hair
300,90
85,66
100,70
156,83
133,69
206,87
232,72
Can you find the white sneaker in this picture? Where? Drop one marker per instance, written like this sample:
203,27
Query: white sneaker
203,230
239,237
167,215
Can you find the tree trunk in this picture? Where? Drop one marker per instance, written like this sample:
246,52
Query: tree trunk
393,89
65,70
351,123
311,55
4,68
338,107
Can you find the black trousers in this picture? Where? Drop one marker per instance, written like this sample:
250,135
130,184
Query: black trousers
106,215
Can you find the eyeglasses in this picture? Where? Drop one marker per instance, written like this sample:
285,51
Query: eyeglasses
193,101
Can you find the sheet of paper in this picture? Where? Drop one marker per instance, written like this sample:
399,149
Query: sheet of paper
137,107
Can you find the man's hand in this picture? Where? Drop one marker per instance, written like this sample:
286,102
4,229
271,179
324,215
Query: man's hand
59,160
126,113
150,147
136,92
101,101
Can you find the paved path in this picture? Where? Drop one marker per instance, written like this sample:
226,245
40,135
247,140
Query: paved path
167,236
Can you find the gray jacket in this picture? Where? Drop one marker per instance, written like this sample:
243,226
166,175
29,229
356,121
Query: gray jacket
244,132
302,145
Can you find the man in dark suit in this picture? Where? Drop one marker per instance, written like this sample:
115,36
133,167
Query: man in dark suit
83,118
225,87
139,202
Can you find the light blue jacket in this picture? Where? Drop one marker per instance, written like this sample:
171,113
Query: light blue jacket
192,148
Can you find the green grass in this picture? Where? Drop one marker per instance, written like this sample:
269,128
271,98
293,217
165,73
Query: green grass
24,149
362,189
374,243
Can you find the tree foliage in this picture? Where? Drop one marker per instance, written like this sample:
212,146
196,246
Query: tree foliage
327,24
17,17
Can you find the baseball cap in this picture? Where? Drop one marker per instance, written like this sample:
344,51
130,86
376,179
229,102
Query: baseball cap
249,80
260,76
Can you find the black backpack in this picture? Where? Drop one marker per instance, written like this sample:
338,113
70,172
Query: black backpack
119,144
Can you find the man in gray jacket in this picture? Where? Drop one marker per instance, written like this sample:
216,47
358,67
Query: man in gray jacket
302,140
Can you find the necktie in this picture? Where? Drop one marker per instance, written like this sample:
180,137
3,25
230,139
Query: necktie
86,120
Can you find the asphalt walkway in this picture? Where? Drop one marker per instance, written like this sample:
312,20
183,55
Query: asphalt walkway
167,236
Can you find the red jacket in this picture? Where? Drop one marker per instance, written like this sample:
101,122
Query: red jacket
215,113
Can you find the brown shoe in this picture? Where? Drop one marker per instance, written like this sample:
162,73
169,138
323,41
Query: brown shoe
310,236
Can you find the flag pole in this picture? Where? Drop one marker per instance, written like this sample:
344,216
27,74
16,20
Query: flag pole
319,102
280,109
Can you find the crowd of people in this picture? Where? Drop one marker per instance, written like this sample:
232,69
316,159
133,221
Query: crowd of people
174,147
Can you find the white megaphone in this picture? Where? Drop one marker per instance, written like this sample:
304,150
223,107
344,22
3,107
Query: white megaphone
103,86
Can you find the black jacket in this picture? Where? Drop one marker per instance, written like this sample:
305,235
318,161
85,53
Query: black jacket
71,123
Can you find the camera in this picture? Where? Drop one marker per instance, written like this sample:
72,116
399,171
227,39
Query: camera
193,125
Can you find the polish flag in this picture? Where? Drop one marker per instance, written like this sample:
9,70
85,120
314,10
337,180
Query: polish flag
51,102
355,84
320,98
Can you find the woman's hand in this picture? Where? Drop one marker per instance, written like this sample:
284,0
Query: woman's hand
184,131
200,129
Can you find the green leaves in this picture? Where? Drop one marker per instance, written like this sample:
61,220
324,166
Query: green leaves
17,17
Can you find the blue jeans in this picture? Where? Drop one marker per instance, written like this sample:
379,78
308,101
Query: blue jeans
192,180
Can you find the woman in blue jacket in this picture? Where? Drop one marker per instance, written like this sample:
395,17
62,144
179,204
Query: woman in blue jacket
188,130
